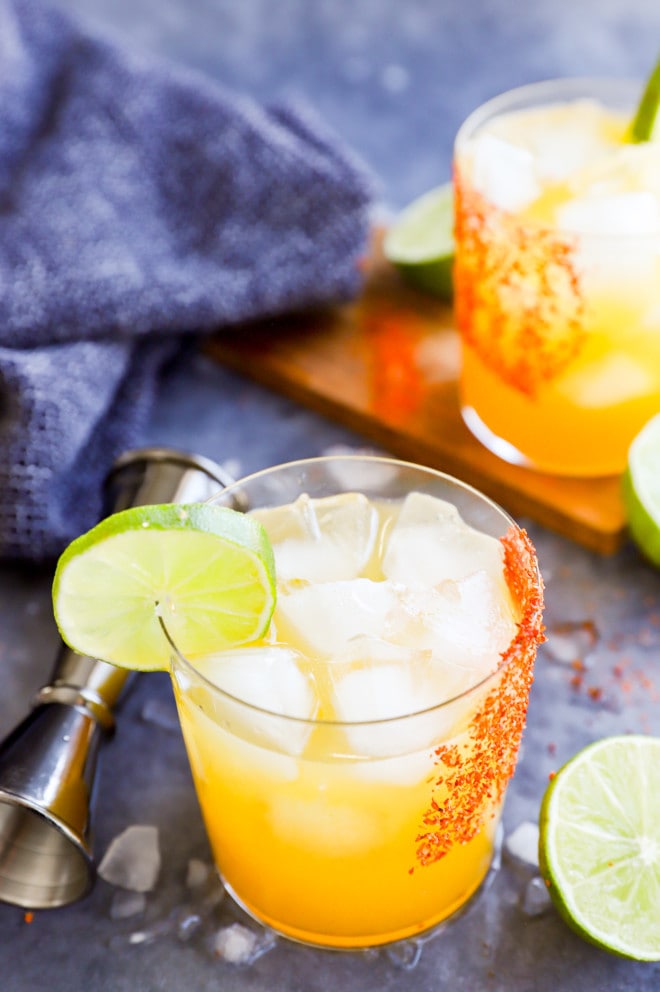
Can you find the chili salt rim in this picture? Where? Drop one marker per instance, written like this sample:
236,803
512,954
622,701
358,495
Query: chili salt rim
475,781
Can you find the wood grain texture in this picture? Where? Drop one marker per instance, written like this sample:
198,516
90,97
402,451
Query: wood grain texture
386,366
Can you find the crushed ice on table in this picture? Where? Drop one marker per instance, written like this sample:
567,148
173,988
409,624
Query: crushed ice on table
132,860
536,899
522,844
217,927
241,945
571,641
126,904
198,873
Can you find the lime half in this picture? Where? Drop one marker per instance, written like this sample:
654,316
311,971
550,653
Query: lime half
599,848
641,490
206,571
420,242
646,122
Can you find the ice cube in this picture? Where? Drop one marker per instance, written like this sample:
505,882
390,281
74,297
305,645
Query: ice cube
323,822
504,172
325,617
132,860
368,700
536,898
126,904
628,168
240,945
430,542
522,844
376,679
562,138
198,873
379,692
321,540
635,213
611,379
466,624
271,679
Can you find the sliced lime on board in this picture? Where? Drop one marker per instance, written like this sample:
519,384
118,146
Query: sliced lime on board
420,242
207,571
599,846
641,490
646,122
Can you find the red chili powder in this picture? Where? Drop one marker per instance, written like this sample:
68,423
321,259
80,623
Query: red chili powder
518,300
476,773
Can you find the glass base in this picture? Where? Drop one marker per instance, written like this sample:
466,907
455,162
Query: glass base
509,453
503,449
404,952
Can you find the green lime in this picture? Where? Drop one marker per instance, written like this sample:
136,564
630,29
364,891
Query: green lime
207,572
599,847
646,122
420,242
641,490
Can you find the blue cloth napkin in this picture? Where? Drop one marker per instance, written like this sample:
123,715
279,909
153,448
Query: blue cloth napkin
140,204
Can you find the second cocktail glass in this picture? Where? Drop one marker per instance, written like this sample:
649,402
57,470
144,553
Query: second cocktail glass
557,274
351,768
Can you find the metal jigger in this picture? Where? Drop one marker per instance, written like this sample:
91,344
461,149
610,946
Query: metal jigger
47,764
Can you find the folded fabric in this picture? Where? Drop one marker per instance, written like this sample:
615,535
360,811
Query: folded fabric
140,203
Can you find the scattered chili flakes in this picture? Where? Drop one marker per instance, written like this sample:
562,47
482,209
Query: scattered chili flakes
28,917
518,299
474,778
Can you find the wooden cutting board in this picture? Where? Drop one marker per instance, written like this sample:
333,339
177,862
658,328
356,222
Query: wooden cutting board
386,366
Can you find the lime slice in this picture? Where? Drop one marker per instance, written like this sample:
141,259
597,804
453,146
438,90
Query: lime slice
646,122
420,242
207,571
641,490
599,847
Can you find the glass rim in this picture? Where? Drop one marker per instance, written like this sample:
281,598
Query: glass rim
178,658
541,88
369,458
564,89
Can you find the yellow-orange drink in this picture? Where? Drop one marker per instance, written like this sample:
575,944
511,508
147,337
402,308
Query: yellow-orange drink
557,276
352,766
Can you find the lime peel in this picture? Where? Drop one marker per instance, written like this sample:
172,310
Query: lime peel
207,572
641,490
599,846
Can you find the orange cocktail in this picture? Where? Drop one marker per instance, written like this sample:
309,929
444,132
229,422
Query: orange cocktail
352,766
557,275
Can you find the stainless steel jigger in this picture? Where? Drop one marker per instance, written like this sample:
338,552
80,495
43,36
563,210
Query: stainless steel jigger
47,764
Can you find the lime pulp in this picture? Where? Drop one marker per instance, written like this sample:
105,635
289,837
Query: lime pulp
206,572
599,847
